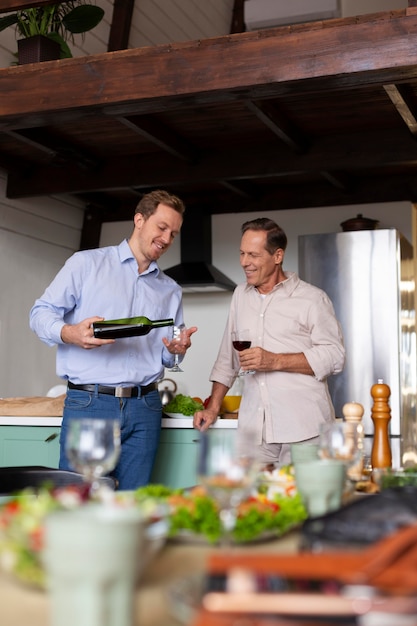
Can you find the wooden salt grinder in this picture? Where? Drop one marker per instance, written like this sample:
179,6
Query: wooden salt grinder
381,414
353,413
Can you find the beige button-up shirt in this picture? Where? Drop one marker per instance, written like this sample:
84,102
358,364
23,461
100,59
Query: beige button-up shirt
294,317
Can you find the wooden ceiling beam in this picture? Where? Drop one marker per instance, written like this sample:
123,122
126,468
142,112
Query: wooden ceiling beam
281,196
238,17
279,125
59,151
162,136
242,189
120,25
330,154
336,180
404,101
373,51
22,137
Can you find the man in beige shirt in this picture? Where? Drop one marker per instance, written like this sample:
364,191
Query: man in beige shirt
296,345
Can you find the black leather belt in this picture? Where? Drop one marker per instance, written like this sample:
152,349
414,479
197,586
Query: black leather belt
119,392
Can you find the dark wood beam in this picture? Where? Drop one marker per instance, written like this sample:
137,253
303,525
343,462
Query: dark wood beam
238,17
120,25
280,197
336,180
358,153
279,125
160,135
403,100
91,230
24,137
241,188
352,53
58,151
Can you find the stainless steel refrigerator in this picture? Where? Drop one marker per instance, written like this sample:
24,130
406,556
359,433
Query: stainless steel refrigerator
369,276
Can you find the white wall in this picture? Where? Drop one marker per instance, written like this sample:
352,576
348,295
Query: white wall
154,22
209,311
36,237
157,22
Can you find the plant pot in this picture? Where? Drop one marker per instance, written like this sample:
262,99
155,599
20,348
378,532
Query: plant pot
37,49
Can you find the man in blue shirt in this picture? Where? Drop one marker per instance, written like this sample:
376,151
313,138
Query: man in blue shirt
117,378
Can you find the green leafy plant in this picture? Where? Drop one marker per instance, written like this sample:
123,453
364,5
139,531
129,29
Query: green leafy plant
59,22
183,404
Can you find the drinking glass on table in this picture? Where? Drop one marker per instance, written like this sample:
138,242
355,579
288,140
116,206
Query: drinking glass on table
93,448
241,340
227,469
341,440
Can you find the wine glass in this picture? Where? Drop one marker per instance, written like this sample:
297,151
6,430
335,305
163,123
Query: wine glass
340,440
92,447
227,470
241,340
179,337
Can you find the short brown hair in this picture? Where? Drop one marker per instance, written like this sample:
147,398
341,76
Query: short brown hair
275,236
149,203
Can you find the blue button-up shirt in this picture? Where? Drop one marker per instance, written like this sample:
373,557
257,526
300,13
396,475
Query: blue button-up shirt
105,282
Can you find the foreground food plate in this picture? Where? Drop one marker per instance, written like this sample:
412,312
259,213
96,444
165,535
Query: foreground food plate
22,519
194,516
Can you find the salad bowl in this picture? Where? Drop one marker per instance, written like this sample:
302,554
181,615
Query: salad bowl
22,527
178,416
184,406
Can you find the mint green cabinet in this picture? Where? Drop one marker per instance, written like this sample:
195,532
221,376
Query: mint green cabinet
176,461
29,445
175,464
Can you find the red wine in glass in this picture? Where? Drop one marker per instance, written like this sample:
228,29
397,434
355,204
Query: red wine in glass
241,341
241,345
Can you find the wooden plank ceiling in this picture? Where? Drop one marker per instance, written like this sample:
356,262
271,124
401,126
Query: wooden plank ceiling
318,114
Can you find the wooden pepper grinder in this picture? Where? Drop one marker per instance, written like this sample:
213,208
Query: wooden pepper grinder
381,414
353,413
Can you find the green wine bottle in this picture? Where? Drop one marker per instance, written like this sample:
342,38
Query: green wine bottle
127,327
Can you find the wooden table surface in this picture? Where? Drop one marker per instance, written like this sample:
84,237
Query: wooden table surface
23,606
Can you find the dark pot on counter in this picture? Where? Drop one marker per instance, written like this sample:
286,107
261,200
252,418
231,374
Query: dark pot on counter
359,223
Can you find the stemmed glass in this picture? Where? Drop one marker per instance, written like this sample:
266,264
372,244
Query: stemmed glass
341,441
93,448
178,336
241,340
227,469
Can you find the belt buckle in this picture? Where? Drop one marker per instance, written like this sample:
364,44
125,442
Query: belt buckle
123,392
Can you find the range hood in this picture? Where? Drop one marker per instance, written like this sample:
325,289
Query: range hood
195,273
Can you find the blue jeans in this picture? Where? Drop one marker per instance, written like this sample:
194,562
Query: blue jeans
140,424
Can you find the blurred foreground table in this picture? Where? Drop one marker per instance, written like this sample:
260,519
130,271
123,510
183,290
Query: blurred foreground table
23,606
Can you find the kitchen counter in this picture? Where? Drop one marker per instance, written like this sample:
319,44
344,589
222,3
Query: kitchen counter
167,422
34,440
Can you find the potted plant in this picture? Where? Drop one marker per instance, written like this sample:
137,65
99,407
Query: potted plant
52,25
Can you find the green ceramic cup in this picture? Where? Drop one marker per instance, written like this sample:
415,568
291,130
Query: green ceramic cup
91,558
301,452
320,483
